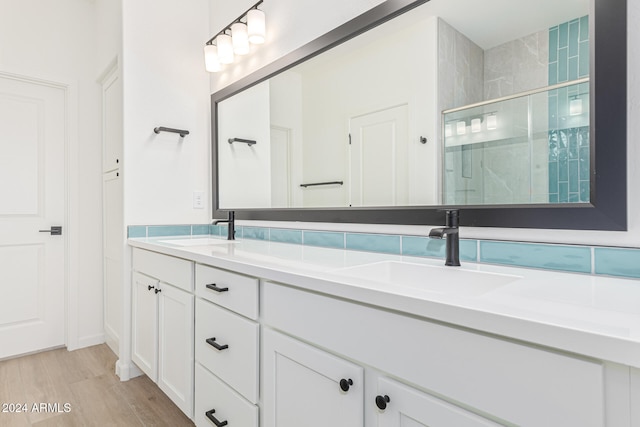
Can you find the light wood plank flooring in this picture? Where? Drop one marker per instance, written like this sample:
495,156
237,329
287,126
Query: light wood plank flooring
85,380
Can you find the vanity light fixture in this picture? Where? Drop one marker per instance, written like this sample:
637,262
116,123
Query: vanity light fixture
461,127
476,125
492,121
448,131
211,59
235,39
575,106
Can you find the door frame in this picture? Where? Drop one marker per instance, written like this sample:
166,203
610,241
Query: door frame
70,223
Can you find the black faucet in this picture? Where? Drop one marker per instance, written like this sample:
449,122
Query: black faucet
231,229
451,231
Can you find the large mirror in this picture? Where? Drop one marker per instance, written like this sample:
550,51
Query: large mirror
487,106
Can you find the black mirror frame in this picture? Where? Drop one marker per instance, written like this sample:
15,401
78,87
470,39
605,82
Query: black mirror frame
607,209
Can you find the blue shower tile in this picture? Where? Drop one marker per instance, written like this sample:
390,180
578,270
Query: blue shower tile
574,36
553,177
573,176
553,112
257,233
563,65
563,35
168,230
585,194
137,231
583,66
553,45
553,73
563,192
373,242
617,262
286,236
563,165
551,257
324,238
573,68
423,246
584,163
584,28
199,229
563,105
574,197
553,198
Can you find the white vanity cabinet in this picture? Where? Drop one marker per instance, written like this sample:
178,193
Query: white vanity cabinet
480,380
162,324
226,348
305,386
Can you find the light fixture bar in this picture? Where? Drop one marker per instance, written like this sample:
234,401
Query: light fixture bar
238,19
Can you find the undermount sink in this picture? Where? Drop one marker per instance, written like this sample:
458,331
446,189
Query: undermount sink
449,280
198,241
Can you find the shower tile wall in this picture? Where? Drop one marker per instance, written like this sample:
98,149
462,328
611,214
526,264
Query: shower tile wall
568,142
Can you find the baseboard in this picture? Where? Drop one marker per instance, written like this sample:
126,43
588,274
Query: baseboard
127,371
87,341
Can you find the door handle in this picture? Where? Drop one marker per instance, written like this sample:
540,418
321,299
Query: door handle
55,230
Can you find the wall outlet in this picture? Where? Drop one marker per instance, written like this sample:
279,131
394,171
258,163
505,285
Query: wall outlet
198,199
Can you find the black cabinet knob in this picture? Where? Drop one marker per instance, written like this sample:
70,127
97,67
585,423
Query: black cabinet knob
381,402
345,384
150,287
158,290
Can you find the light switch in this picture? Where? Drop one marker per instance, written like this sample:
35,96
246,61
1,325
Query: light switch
198,199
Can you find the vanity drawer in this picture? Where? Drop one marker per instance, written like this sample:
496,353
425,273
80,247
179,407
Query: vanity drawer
236,364
175,271
229,406
234,291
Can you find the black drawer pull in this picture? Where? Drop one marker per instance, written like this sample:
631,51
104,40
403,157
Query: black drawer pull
212,342
345,384
209,414
150,287
381,402
213,287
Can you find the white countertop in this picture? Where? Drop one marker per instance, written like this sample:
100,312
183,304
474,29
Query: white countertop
594,316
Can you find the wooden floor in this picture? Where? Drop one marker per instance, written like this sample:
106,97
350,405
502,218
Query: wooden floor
79,388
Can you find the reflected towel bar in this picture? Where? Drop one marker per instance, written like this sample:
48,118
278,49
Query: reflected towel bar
313,184
182,133
246,141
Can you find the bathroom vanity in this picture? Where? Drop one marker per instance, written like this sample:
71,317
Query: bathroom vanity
254,333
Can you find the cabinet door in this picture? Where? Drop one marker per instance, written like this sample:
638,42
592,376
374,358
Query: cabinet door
112,121
144,352
408,407
175,353
304,386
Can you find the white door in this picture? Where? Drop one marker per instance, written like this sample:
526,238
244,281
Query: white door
378,160
280,167
32,198
405,406
305,386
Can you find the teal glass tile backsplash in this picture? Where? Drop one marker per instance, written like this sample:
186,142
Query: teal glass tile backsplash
550,257
168,230
134,231
373,243
324,238
424,246
622,262
286,236
617,262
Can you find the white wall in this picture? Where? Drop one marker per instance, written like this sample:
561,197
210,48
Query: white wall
57,41
165,84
